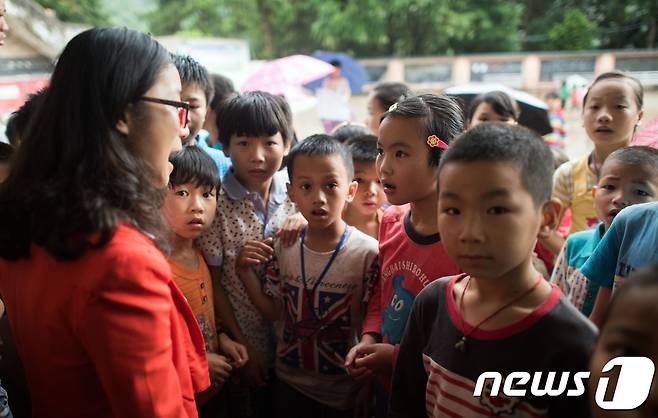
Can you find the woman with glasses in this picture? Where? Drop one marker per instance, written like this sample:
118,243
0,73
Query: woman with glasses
100,326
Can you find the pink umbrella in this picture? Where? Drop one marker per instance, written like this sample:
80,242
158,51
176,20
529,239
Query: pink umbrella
648,135
286,75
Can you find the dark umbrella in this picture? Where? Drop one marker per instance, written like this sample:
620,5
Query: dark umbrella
534,112
349,68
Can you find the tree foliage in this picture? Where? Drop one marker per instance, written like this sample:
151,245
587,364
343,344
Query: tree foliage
370,28
91,12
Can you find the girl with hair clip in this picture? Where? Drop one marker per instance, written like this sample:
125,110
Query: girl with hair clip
413,135
82,237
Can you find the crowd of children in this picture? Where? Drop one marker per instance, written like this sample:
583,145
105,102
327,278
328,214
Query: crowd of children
375,271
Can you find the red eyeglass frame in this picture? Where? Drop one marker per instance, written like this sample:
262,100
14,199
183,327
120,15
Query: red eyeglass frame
183,108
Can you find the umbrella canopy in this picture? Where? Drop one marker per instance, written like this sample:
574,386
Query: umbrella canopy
286,75
648,135
349,68
534,112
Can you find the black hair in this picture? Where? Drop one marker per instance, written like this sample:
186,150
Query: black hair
552,95
439,115
363,148
559,157
223,89
6,151
255,113
193,165
390,92
500,102
348,131
191,71
321,145
501,142
335,63
636,155
640,279
19,119
75,175
635,84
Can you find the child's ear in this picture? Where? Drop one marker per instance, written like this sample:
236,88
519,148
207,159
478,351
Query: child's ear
594,189
550,218
286,149
351,191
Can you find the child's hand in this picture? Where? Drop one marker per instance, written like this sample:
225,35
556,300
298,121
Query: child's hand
234,350
291,230
219,369
254,253
376,357
358,373
254,373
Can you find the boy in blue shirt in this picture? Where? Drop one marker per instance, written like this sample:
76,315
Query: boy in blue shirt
628,176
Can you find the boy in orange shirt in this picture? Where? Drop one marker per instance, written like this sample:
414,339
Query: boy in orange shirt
189,209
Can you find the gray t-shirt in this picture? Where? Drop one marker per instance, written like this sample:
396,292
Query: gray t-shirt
320,326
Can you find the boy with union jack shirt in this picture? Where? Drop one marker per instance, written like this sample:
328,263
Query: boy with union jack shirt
316,290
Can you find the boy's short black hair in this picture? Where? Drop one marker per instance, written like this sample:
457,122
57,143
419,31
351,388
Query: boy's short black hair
390,92
440,115
255,113
20,118
363,148
193,165
320,145
640,279
349,130
496,141
635,155
552,95
191,71
223,89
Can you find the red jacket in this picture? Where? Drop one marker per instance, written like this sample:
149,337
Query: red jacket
106,335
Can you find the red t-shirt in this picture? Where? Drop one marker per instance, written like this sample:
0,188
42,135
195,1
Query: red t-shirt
408,262
106,335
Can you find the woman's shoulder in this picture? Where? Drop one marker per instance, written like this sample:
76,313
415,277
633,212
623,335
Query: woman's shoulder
129,254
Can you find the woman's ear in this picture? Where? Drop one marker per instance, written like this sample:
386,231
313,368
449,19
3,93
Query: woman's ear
123,124
550,218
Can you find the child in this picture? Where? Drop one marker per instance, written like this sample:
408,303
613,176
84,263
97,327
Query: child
500,313
382,96
189,208
412,136
6,153
612,108
365,211
628,176
558,121
349,130
252,207
209,136
494,106
630,243
629,329
18,122
316,289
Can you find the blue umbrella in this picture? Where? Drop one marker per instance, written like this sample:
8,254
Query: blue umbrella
349,68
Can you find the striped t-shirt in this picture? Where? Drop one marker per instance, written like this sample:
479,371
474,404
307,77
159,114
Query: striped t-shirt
433,378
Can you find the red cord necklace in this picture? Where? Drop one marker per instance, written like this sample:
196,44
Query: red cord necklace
461,344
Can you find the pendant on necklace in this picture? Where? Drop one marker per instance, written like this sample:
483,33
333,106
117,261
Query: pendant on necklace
461,344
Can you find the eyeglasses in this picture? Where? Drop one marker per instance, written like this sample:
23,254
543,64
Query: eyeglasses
183,108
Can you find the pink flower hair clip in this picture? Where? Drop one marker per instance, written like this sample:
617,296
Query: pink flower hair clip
435,142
